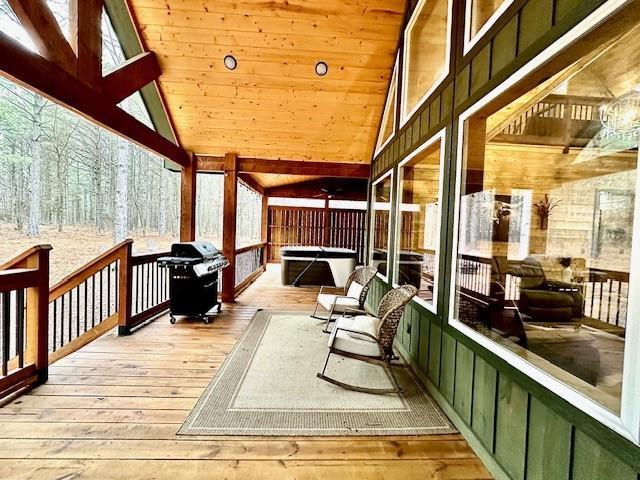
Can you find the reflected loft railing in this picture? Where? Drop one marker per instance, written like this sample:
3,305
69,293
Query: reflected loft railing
605,292
39,325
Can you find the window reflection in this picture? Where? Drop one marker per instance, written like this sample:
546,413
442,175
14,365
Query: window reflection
418,222
425,51
546,220
381,203
479,13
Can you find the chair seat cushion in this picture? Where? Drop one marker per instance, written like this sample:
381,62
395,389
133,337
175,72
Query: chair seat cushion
364,323
350,342
355,290
326,300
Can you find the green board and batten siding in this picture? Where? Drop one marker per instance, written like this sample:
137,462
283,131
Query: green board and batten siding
520,429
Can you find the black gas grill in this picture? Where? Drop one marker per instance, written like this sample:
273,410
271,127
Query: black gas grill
194,276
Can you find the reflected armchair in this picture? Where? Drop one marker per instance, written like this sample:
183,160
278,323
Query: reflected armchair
546,300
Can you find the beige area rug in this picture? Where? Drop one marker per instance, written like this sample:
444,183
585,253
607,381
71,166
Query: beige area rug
268,386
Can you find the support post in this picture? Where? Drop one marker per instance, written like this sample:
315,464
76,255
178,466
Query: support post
264,237
229,225
326,220
37,351
188,202
125,280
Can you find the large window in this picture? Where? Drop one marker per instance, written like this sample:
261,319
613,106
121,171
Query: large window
380,221
426,53
419,211
548,230
388,124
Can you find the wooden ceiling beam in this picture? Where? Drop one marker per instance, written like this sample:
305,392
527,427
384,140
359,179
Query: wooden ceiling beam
134,74
85,29
35,72
287,167
251,183
43,29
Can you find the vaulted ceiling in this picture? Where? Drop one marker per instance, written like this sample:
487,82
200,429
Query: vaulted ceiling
274,105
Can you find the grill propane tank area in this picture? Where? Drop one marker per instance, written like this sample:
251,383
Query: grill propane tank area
194,278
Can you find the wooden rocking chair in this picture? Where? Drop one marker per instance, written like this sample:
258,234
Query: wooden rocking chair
352,299
370,339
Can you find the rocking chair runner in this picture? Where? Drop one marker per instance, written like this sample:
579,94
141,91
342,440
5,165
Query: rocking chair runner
352,299
370,339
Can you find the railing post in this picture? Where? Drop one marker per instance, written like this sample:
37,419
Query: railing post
37,320
264,229
125,287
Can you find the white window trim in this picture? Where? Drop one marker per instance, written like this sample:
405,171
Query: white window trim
392,95
471,40
627,423
404,115
441,136
372,222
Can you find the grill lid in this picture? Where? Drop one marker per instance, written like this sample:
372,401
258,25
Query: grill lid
197,250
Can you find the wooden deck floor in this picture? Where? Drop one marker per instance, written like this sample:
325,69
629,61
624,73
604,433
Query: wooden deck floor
111,410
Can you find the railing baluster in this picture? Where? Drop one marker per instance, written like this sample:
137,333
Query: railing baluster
55,315
147,286
86,302
109,290
93,300
20,307
618,303
609,300
139,288
6,330
116,280
77,289
62,322
101,296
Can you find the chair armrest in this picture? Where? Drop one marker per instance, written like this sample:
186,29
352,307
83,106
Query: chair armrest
358,332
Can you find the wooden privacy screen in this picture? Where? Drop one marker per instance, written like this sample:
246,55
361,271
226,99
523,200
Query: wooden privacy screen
316,226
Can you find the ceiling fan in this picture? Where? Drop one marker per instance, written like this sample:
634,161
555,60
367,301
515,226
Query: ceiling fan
329,192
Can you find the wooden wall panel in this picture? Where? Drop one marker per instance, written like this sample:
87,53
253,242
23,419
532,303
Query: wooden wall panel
504,46
549,444
535,20
464,382
485,391
435,348
423,342
511,427
591,460
448,366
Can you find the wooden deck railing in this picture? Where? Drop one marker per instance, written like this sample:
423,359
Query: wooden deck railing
250,264
39,325
149,285
24,288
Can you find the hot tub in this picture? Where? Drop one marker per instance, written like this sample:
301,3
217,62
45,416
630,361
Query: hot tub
324,265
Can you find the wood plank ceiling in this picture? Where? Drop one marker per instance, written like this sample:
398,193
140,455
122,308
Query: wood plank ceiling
273,105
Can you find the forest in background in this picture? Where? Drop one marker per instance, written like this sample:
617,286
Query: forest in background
79,187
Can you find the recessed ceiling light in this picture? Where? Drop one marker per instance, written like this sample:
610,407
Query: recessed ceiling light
230,62
321,69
